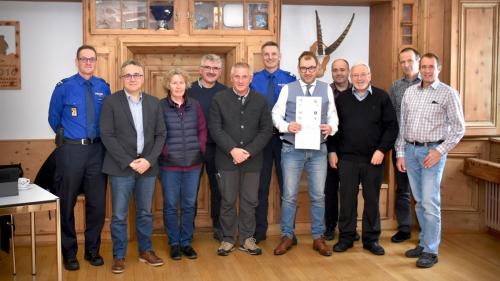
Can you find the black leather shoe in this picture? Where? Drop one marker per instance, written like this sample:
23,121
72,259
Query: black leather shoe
189,252
94,258
329,234
342,246
400,236
175,252
374,248
427,260
71,264
356,236
414,253
295,241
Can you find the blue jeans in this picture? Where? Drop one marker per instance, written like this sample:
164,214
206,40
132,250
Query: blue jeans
425,187
121,190
293,162
179,188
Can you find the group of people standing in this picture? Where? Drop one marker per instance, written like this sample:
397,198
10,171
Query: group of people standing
236,134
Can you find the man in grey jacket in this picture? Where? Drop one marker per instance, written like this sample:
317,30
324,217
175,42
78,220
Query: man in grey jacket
240,124
133,132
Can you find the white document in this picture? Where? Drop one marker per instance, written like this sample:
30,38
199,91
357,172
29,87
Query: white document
308,115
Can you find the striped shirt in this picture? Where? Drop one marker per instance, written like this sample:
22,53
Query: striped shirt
429,115
398,89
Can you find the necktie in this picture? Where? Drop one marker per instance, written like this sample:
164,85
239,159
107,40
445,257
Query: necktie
308,93
89,103
270,91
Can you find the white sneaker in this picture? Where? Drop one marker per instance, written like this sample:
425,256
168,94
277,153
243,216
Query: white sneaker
225,248
250,247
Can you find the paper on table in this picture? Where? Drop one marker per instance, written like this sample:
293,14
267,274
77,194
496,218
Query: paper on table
308,115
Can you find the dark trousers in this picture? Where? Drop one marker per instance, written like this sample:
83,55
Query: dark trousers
272,154
402,210
78,169
233,185
351,174
211,169
331,198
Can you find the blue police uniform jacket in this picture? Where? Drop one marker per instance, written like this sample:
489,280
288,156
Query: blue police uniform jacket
260,83
68,105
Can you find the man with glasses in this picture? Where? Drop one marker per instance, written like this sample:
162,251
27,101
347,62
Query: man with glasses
368,129
133,132
203,90
268,82
294,160
74,113
409,59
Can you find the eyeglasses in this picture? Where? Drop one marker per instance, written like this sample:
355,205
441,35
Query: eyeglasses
87,60
361,75
130,76
309,69
210,68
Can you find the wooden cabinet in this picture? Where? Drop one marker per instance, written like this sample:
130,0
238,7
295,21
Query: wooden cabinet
253,17
174,17
163,34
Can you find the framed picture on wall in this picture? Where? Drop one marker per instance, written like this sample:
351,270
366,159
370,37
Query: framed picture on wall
10,56
259,20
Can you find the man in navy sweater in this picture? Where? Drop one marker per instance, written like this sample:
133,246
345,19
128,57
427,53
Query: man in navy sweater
368,129
203,90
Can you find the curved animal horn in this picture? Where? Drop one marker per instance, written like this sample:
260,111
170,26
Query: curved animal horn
330,49
319,35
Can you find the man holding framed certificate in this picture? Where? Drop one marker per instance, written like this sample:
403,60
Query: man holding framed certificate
306,115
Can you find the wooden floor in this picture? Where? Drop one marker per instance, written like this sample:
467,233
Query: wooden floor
463,257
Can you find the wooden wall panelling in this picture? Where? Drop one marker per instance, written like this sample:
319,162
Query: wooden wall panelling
495,150
434,25
462,201
478,76
106,65
383,45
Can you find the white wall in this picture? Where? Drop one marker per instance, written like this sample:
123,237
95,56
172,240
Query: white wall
50,35
298,32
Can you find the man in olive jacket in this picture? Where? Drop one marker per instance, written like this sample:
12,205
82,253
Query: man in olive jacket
241,126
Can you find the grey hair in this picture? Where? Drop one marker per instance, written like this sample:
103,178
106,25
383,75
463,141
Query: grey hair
361,64
210,57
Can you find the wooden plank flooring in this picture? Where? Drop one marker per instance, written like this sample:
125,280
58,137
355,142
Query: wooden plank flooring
463,257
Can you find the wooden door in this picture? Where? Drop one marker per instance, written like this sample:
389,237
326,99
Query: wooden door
156,66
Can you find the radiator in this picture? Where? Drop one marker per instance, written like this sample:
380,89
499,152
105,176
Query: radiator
492,205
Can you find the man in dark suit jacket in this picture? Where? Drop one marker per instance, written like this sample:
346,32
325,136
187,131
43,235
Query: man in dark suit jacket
133,132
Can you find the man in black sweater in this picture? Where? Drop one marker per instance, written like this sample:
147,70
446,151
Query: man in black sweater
368,129
203,90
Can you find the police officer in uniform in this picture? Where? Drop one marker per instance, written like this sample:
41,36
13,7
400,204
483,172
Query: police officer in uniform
74,115
268,82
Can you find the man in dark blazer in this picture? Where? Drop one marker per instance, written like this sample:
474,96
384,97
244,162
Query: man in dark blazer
240,124
133,132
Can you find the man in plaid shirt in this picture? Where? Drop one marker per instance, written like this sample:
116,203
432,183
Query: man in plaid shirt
431,124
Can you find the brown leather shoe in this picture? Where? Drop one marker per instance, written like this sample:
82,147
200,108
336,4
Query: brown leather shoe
320,246
285,245
118,266
150,258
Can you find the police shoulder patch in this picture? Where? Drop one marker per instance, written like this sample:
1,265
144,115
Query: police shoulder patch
61,82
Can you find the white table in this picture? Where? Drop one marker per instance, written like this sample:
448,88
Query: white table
34,199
